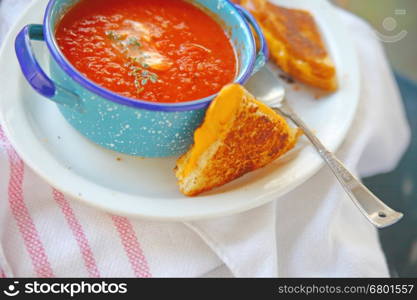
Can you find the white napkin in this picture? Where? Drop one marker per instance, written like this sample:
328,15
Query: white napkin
313,231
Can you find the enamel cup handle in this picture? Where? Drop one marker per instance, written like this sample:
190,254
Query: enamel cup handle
34,74
263,53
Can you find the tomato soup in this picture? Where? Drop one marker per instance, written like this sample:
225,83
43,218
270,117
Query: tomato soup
153,50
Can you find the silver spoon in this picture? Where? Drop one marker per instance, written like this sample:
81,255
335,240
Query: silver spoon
371,207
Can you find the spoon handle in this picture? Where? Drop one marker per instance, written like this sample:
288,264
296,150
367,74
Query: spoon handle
371,207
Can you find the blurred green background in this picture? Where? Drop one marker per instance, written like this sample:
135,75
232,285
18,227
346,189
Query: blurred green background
395,21
390,18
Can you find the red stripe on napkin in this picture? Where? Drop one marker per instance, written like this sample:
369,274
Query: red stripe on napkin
132,247
78,232
21,213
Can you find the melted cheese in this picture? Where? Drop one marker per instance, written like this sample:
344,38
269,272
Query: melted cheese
218,120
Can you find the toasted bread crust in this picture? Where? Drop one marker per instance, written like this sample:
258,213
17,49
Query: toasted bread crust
295,43
254,139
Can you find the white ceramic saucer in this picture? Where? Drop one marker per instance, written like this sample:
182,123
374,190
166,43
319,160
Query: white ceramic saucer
147,188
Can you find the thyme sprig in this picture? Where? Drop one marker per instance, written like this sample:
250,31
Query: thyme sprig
133,41
142,76
113,35
138,68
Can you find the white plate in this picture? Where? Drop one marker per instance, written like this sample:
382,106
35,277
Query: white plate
147,187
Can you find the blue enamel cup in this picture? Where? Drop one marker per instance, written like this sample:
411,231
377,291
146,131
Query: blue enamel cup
119,123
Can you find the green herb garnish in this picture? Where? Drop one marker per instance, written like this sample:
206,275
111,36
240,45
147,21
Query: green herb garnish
113,35
138,68
133,41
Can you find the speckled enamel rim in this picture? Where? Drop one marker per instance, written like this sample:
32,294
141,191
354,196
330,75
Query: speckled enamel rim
109,95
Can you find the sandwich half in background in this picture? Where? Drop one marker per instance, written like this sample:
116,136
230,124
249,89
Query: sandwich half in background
295,43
